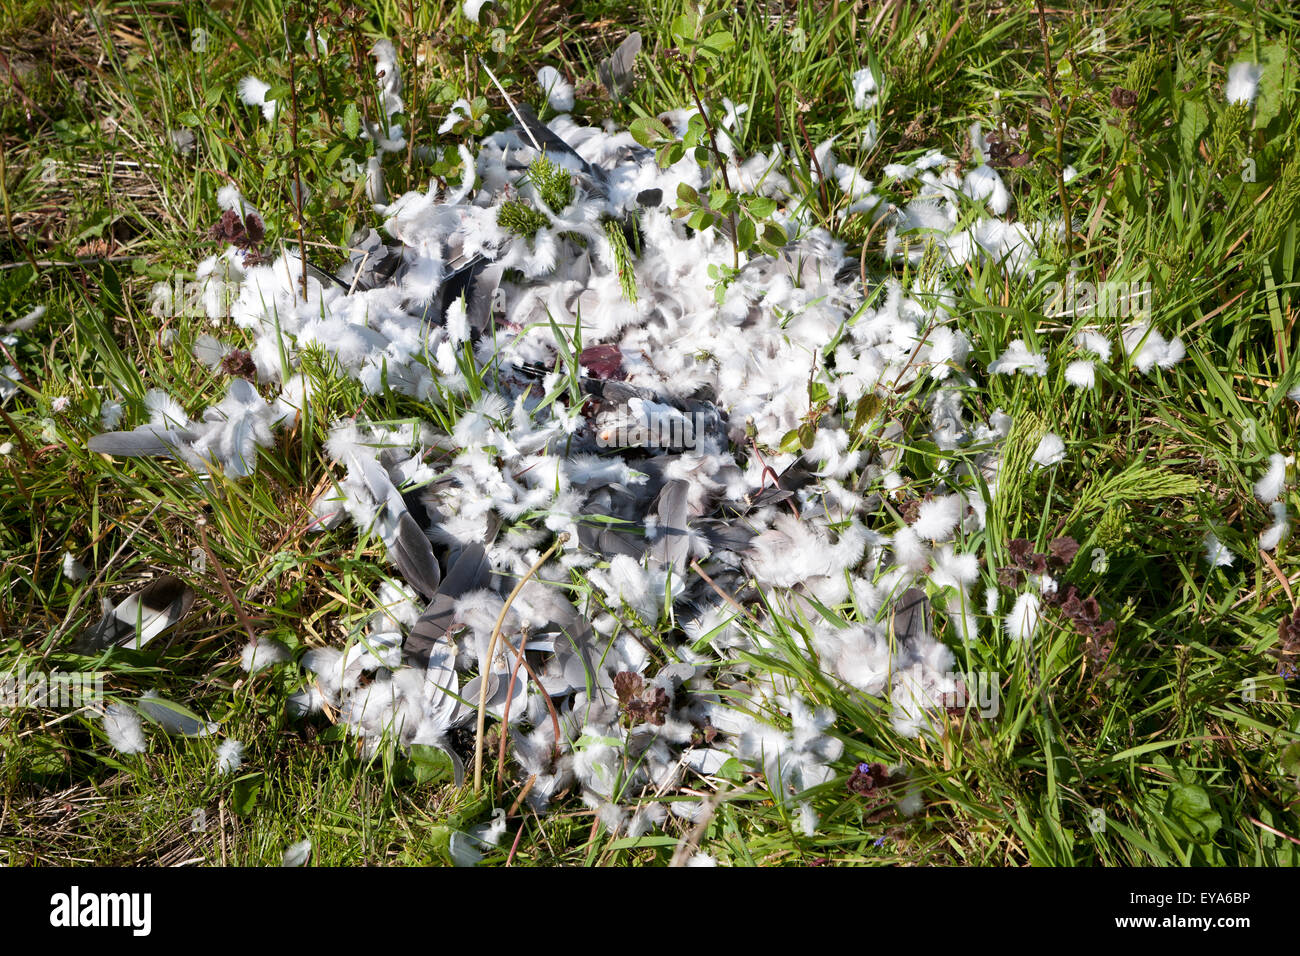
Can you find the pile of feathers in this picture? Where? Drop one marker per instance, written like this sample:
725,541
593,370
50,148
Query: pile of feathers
613,486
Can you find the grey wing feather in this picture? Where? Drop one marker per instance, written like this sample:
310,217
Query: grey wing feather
413,555
147,441
609,541
468,572
551,143
673,546
172,719
911,615
371,263
431,628
478,303
471,571
155,607
616,72
729,536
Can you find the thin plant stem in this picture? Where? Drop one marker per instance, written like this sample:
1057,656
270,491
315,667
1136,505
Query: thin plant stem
492,649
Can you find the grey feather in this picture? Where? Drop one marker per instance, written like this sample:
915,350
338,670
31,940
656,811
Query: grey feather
371,263
572,668
553,145
173,718
911,616
499,688
673,546
413,555
728,535
609,540
209,351
147,441
621,515
470,571
431,628
478,302
159,605
616,71
476,281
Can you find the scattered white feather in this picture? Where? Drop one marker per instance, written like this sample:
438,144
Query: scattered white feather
808,819
1278,531
230,756
1081,374
1050,451
28,321
1022,621
1271,485
558,90
937,518
124,729
472,8
261,653
73,569
110,414
984,184
1217,554
1019,358
864,88
1148,349
252,92
296,854
1243,83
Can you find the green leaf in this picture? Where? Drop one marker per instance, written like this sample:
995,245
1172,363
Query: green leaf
700,220
351,120
719,43
774,235
868,408
818,393
1193,118
790,442
761,206
684,26
746,233
649,132
333,155
431,765
687,194
1189,807
1273,86
1289,760
732,770
245,792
